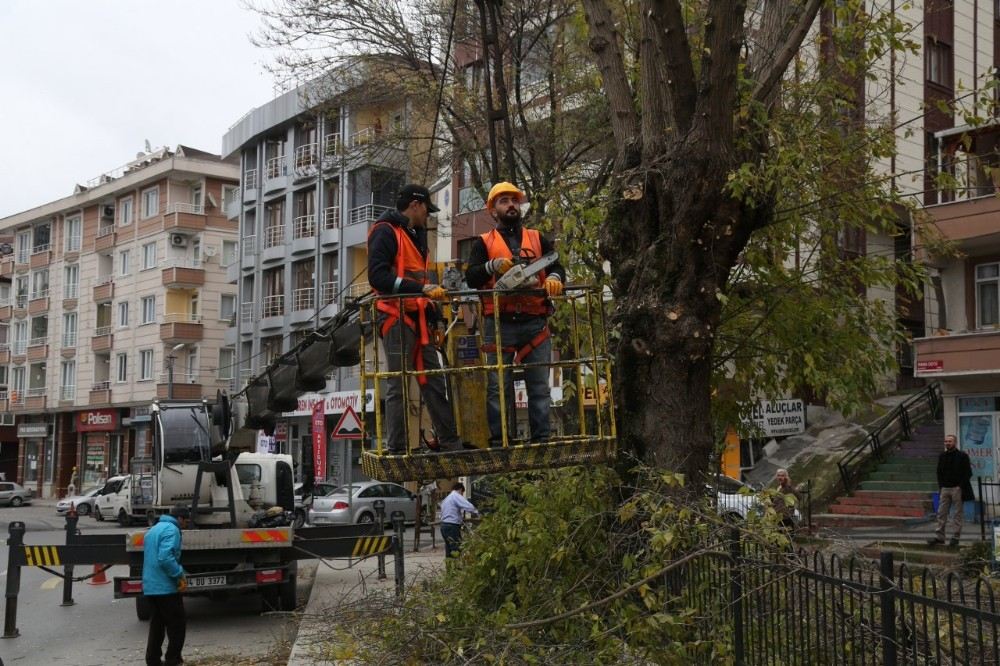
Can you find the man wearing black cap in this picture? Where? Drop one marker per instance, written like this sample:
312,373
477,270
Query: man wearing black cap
397,264
163,580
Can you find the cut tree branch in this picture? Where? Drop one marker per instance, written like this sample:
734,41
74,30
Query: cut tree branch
794,32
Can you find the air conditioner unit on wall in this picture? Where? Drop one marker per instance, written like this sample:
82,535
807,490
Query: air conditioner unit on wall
178,240
211,251
108,212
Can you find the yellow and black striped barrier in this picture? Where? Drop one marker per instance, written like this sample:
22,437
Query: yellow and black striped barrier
41,556
367,546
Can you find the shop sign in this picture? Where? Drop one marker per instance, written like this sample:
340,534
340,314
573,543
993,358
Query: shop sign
591,394
778,418
97,420
334,403
932,365
319,441
33,430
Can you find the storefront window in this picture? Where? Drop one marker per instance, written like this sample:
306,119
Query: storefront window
93,464
50,463
976,432
115,455
31,461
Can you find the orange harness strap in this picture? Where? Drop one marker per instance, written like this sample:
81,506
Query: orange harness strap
419,329
519,354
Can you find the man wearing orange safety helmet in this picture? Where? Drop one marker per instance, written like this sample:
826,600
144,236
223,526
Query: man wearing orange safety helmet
524,331
397,264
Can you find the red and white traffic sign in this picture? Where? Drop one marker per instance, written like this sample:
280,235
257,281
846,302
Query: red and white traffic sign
349,425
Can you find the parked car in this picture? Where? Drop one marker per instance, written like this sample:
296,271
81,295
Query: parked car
84,503
15,494
303,500
735,500
114,497
355,504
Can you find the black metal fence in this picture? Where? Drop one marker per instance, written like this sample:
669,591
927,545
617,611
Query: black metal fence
818,609
891,428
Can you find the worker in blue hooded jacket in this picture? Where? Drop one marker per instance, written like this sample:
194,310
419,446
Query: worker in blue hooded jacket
163,580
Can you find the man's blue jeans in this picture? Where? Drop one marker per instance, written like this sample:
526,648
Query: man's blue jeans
452,535
516,334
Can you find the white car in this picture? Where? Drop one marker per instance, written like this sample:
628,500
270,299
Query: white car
734,500
83,503
336,508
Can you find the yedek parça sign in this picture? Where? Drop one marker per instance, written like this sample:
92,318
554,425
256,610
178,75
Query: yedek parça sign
777,418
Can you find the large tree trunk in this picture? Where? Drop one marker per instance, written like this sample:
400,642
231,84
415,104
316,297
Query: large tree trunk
667,236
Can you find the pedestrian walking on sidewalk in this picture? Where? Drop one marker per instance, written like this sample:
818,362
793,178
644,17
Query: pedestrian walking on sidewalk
452,517
954,478
163,580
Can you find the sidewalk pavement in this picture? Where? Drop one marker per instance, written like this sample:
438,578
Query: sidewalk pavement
340,581
918,530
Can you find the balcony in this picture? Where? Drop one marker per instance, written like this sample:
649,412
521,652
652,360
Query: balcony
38,349
73,245
102,339
362,137
22,258
67,393
104,289
303,305
357,290
185,386
39,302
7,267
272,312
329,293
4,353
246,312
20,304
35,398
331,218
184,217
250,185
16,399
18,350
41,256
306,157
183,273
303,227
958,354
365,214
275,168
179,327
105,238
71,291
331,145
274,236
6,310
100,393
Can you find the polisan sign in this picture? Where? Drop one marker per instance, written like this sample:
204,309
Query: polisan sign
97,419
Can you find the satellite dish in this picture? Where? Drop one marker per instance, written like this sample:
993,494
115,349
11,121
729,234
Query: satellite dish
6,248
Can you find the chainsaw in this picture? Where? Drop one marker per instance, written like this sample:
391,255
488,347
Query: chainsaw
522,275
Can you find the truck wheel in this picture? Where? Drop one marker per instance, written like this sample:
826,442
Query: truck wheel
123,518
300,520
143,610
288,595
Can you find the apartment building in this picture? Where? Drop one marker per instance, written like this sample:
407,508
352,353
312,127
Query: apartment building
314,177
113,297
960,345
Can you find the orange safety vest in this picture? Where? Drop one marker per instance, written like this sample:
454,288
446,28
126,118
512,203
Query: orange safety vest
496,248
412,265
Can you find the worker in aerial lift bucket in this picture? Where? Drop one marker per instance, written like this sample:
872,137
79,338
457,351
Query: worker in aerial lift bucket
397,264
524,331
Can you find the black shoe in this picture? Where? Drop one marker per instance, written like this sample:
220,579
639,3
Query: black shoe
953,543
396,452
935,542
469,446
450,448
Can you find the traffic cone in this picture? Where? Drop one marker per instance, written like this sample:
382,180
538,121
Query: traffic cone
99,578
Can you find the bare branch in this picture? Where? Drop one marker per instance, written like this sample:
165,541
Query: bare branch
793,32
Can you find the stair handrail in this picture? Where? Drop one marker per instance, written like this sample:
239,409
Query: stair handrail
903,417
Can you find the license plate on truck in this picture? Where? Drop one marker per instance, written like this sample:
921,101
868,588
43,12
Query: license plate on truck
206,581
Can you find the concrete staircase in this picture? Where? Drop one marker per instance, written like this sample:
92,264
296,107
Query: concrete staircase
898,492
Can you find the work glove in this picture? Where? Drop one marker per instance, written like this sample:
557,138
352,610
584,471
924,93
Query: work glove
182,584
435,292
553,287
498,266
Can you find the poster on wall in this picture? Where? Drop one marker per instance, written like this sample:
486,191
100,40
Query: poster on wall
975,437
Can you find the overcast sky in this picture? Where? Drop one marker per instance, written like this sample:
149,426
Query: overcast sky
84,83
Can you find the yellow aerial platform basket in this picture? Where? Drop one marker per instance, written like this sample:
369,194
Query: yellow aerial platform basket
584,423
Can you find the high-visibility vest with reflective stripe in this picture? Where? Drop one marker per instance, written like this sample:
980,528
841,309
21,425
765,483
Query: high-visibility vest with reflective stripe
410,264
531,247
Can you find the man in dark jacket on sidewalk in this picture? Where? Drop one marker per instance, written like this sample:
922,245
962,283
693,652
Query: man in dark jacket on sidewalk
163,580
954,474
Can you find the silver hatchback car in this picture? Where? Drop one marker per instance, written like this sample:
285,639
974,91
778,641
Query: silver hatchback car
14,494
347,505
